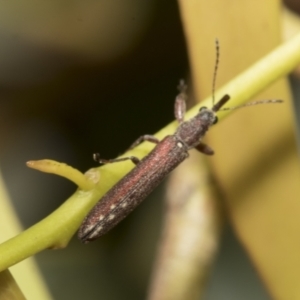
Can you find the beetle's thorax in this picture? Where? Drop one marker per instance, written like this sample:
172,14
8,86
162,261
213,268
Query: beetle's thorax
191,132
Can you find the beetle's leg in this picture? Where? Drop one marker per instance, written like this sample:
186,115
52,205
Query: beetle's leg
143,138
180,102
203,148
97,158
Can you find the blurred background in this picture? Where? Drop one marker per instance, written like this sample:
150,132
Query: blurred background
80,77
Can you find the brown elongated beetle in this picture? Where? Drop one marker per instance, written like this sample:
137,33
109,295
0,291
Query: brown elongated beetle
133,188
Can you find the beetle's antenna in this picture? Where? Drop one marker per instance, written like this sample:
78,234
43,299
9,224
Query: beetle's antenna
253,103
215,71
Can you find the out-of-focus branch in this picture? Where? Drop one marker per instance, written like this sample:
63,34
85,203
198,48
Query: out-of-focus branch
191,232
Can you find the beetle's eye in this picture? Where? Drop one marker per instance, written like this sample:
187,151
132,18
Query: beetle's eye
215,120
203,108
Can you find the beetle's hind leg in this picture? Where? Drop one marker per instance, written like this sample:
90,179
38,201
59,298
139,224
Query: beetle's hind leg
100,160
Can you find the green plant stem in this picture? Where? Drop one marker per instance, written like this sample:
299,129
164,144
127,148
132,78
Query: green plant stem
56,230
